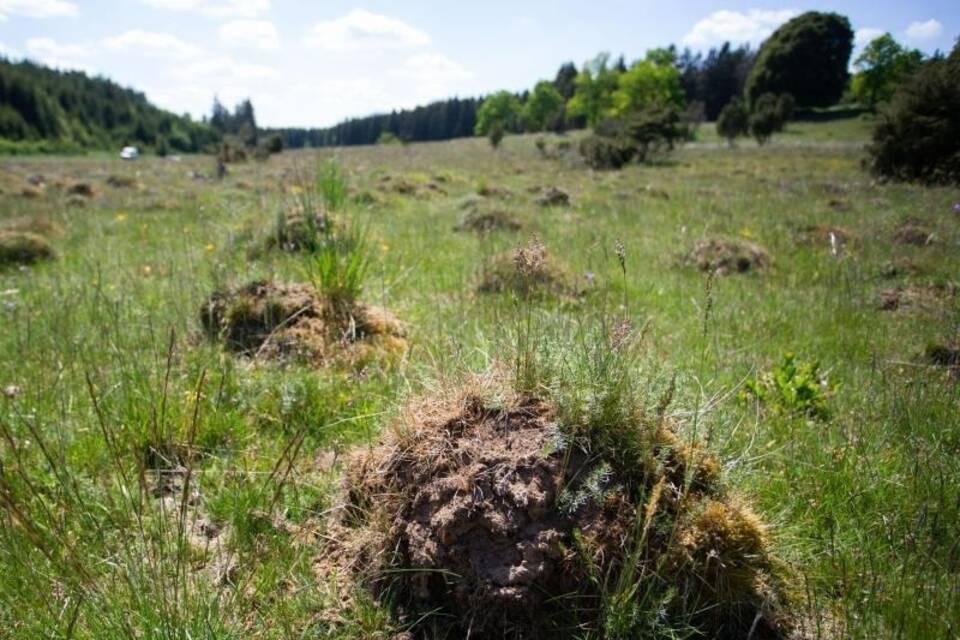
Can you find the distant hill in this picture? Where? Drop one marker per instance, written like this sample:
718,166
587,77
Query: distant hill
43,109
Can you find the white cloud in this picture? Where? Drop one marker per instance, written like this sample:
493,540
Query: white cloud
152,43
258,34
362,30
924,30
37,8
59,56
431,67
734,26
215,8
223,68
866,35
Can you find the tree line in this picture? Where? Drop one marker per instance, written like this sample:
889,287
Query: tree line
43,109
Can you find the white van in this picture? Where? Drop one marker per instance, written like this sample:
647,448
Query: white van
129,153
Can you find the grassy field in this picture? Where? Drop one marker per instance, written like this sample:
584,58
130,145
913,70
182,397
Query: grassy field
104,368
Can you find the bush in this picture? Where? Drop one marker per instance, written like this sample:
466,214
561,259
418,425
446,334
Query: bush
607,152
495,135
765,120
734,120
786,104
792,388
274,144
917,136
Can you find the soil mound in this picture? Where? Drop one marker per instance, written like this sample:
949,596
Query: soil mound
946,356
727,256
23,247
488,221
490,514
266,320
528,272
913,233
297,229
30,192
825,235
553,197
83,189
122,182
913,295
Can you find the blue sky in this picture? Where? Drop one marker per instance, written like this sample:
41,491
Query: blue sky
313,63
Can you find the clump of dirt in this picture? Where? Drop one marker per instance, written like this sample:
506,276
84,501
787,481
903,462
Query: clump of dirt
277,321
31,192
83,189
724,257
913,233
37,180
553,197
23,247
914,295
481,506
488,221
40,225
825,235
122,182
528,272
488,191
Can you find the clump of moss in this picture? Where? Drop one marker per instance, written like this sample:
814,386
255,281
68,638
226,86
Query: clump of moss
23,247
528,272
724,257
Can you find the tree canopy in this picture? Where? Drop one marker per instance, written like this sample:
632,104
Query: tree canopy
500,109
544,108
807,57
882,65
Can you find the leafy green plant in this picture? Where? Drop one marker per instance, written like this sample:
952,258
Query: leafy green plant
792,387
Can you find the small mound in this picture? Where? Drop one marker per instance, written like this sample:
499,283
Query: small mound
724,257
122,182
23,247
825,235
266,320
487,222
553,197
914,234
928,295
297,230
83,189
528,272
30,192
37,180
488,191
40,225
944,355
487,513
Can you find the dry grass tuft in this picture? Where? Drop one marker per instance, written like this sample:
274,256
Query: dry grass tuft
528,272
553,197
487,222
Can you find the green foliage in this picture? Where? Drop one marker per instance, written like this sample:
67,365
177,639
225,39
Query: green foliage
388,138
917,136
881,67
67,109
339,269
332,185
786,105
793,387
765,118
593,98
734,120
274,144
607,152
544,108
501,109
807,58
496,135
648,84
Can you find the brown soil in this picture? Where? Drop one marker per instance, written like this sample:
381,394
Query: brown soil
945,355
486,222
913,233
928,295
31,192
266,320
482,509
528,272
727,256
553,197
122,182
